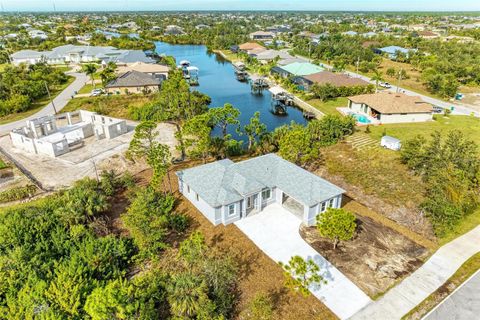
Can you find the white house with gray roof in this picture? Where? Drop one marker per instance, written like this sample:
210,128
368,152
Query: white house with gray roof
225,191
75,54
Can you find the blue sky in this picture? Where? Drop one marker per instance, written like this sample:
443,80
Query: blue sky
364,5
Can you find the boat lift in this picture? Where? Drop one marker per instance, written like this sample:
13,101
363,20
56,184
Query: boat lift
281,99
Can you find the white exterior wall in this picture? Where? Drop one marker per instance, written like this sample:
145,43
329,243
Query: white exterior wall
403,118
21,142
226,218
317,209
212,214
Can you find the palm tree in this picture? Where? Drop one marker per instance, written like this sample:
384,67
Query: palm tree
90,70
377,77
187,295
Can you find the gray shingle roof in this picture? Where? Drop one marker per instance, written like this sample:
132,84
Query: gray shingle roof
223,182
133,79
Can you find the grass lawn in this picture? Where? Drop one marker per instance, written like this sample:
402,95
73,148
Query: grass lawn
467,223
462,274
36,105
2,66
470,126
87,88
3,165
115,106
229,55
329,107
63,68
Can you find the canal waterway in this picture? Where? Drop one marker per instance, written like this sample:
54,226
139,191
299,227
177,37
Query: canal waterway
217,80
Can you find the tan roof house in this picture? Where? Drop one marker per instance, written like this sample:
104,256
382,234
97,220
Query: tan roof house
133,82
155,70
391,107
324,77
249,46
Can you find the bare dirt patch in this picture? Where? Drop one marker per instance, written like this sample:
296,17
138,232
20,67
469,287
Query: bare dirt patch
375,259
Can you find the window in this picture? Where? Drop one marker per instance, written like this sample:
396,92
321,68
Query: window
330,203
324,206
196,196
266,194
231,210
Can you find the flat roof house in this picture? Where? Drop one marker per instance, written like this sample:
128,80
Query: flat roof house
391,107
225,191
133,82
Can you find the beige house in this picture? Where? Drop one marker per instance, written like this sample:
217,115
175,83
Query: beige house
391,107
133,82
156,70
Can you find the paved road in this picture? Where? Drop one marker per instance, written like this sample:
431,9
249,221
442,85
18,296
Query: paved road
276,232
462,304
60,101
459,108
424,281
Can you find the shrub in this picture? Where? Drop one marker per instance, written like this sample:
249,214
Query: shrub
336,224
17,193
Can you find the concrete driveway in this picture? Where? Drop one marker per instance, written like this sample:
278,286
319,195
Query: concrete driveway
60,101
276,232
462,304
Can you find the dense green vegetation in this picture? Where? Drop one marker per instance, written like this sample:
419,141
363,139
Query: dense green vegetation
450,166
59,259
22,85
17,193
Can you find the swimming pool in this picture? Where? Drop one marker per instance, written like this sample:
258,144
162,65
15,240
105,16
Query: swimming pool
360,118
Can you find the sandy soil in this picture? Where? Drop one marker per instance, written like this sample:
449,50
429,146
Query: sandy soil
375,259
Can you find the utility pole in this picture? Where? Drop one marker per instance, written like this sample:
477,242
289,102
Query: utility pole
50,97
399,79
358,63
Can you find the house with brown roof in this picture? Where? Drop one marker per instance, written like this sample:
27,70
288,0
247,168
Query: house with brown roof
391,107
324,77
251,47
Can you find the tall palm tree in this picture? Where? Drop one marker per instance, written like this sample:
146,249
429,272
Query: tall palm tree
90,70
377,77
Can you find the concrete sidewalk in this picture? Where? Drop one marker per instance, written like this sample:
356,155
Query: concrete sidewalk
424,281
60,102
276,232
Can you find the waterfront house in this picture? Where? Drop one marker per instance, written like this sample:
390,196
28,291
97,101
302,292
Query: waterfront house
76,54
249,46
269,55
133,82
225,191
391,107
297,69
156,70
327,77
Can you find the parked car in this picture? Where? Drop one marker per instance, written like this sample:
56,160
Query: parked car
437,109
96,92
385,85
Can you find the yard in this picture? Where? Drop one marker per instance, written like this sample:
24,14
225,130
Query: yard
87,88
115,105
36,105
470,126
330,106
375,260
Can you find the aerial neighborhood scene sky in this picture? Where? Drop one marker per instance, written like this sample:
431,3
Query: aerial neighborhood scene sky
240,159
344,5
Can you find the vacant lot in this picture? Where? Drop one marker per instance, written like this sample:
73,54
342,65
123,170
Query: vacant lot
470,126
114,106
258,272
376,178
329,107
375,259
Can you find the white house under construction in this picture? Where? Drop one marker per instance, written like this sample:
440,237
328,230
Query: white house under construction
55,135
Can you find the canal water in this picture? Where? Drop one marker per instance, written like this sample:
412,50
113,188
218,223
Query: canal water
217,79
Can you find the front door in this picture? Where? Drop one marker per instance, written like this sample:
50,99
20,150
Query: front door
252,203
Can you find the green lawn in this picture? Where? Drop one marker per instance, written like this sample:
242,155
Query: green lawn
329,107
36,105
63,68
470,126
3,165
2,66
467,223
88,88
